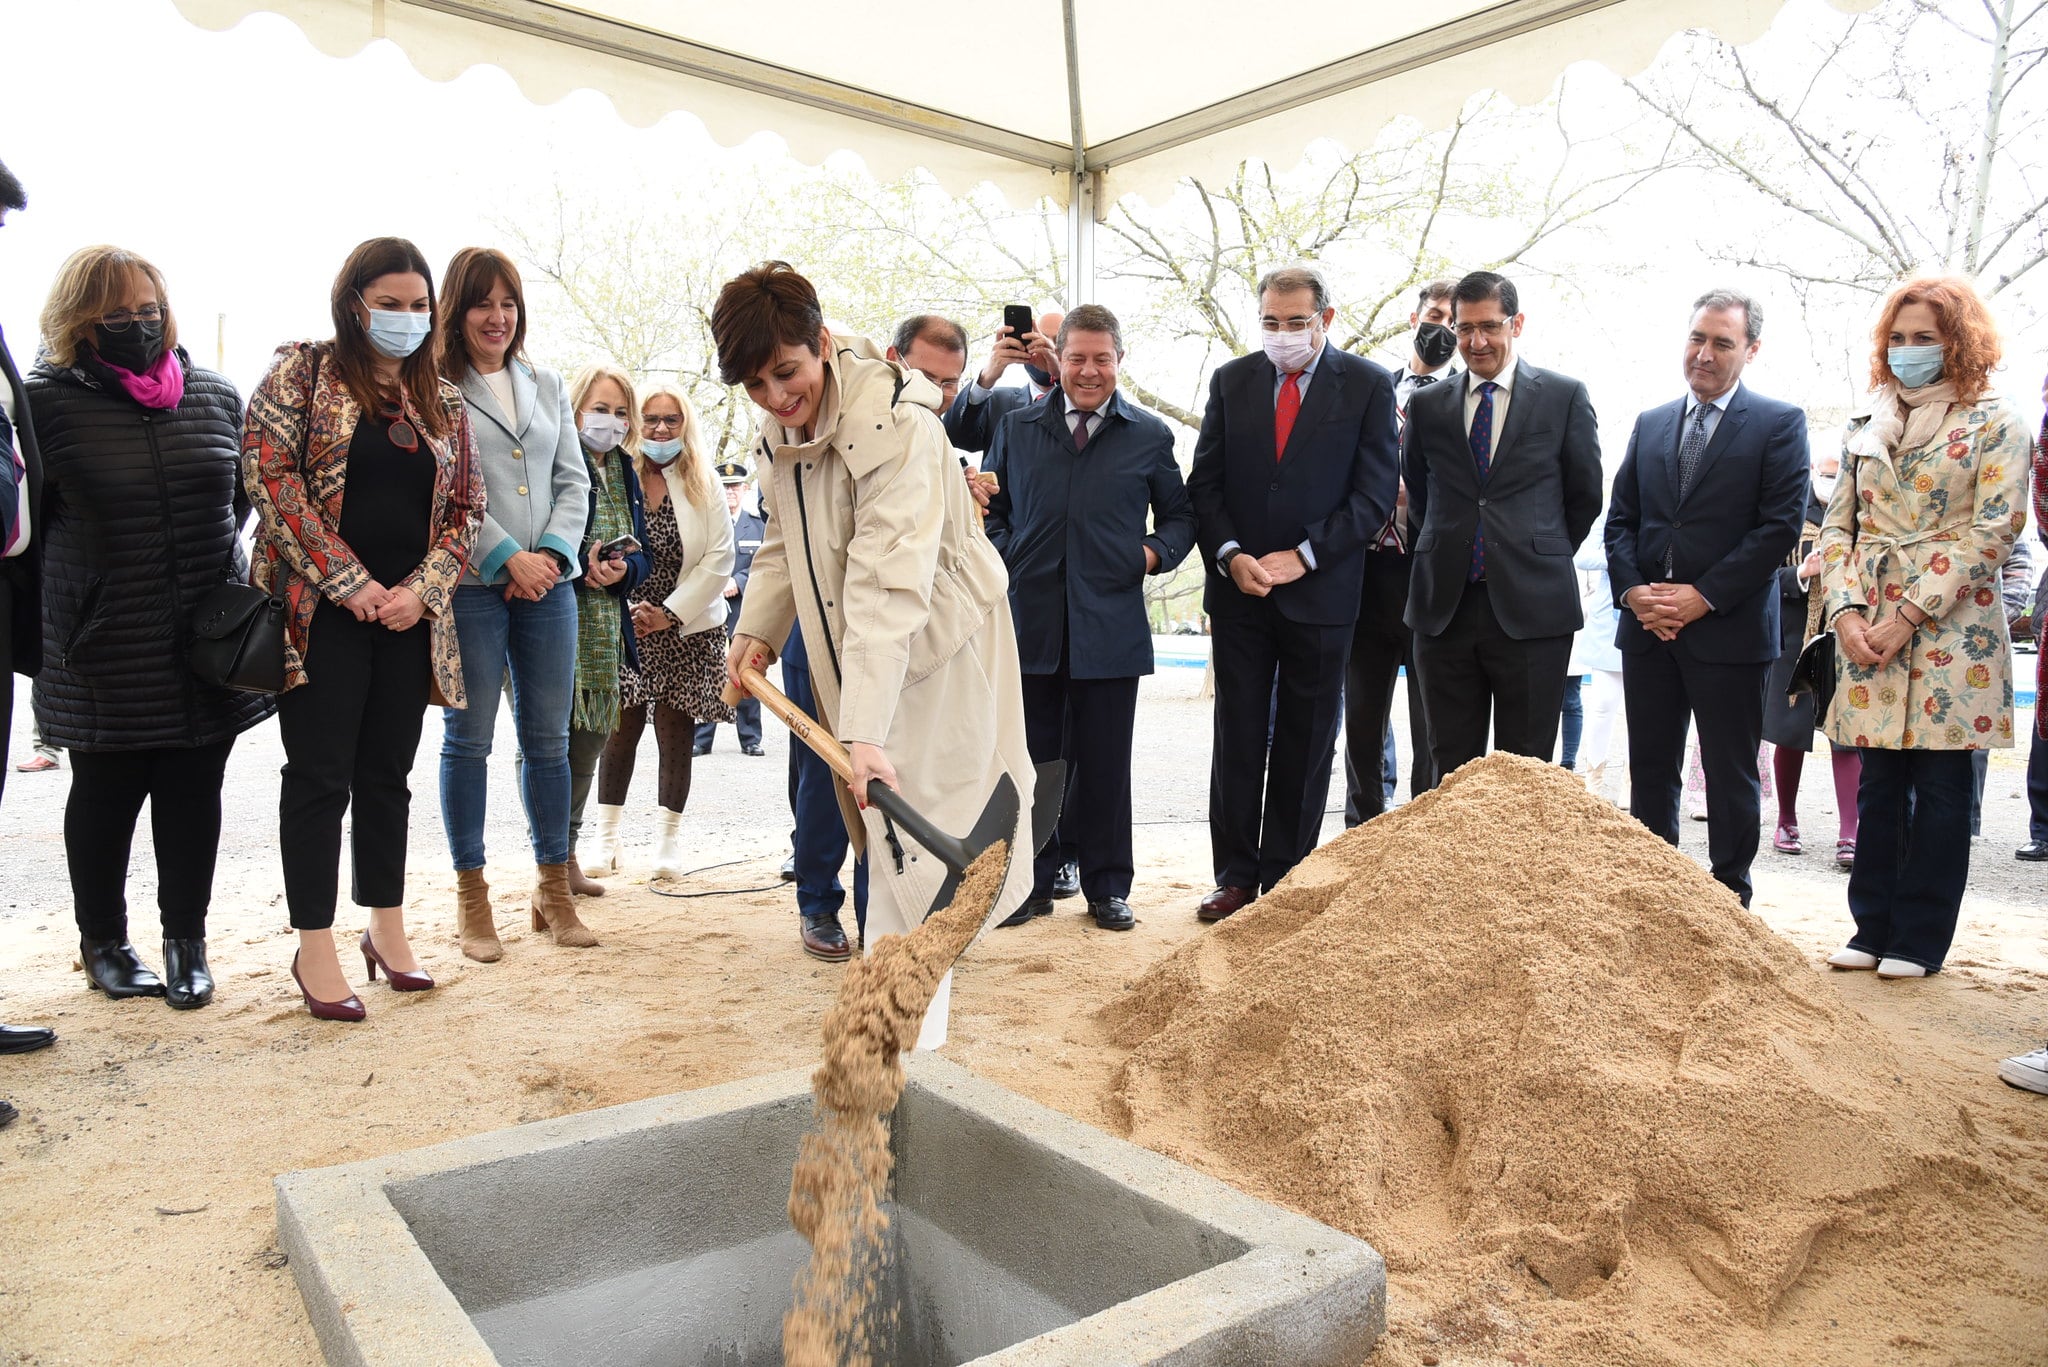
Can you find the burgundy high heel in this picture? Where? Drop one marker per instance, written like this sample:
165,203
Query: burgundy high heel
347,1009
400,982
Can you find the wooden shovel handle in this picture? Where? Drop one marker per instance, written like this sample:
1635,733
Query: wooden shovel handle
800,723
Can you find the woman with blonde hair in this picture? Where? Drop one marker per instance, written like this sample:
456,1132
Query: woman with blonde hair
615,561
678,622
359,457
1930,499
138,523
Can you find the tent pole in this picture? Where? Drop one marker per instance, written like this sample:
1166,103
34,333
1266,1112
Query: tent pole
1082,189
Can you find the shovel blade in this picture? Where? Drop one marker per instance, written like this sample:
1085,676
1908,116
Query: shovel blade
998,821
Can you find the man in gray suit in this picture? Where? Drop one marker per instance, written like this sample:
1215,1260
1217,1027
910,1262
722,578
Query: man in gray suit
1503,474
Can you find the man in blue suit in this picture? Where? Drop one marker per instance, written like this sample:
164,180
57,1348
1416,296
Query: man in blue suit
1296,470
975,413
1078,475
1706,507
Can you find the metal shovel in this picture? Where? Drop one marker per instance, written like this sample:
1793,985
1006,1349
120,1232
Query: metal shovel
998,819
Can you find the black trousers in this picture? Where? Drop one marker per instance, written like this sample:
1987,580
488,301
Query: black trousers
1087,722
1380,644
1475,673
1266,800
1664,691
350,733
108,788
1912,853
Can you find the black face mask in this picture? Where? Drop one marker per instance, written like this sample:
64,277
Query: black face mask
1039,377
1435,344
134,348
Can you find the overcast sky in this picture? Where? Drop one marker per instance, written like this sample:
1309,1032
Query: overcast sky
246,164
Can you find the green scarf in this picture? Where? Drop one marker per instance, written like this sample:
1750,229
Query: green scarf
598,613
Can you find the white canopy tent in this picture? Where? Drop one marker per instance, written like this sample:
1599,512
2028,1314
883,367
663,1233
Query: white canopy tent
1078,100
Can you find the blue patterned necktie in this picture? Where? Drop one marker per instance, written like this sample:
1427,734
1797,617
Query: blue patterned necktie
1482,459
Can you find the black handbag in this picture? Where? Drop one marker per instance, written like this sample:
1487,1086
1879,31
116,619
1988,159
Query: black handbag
1814,673
238,639
238,631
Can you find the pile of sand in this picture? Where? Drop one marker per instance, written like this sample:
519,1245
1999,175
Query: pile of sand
1590,1109
841,1180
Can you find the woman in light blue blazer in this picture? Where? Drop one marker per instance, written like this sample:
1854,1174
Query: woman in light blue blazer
515,612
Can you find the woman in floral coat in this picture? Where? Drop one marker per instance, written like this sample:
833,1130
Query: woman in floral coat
1931,498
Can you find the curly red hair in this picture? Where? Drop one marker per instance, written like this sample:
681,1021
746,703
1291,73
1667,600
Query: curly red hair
1970,345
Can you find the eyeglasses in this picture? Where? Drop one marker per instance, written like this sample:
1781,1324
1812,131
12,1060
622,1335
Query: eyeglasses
661,421
400,432
1287,324
120,320
1493,327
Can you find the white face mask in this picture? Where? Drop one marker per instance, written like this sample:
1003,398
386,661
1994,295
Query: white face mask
1824,485
1290,351
603,431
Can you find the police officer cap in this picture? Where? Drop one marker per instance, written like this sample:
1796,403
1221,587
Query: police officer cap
733,472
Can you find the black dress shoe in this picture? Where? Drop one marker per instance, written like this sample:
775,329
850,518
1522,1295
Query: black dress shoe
824,938
1067,882
1033,907
1112,913
2034,851
7,1114
113,967
188,983
752,750
25,1039
700,750
789,869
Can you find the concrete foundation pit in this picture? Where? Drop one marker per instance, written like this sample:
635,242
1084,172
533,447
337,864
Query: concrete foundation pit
657,1233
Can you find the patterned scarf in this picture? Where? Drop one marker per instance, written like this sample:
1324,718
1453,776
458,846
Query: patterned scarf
598,618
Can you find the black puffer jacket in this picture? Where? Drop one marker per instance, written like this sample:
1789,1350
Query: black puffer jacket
140,510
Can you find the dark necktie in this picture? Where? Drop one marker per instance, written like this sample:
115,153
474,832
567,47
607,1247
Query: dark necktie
1080,428
1482,460
1692,448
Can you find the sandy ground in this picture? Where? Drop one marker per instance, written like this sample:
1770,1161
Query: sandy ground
135,1197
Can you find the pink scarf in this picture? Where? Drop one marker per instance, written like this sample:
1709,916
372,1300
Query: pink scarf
161,386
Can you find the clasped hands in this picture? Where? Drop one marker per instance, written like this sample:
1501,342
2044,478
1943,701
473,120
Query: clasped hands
397,609
1257,576
1872,647
1665,609
869,762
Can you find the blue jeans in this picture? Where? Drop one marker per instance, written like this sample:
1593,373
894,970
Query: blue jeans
1573,721
535,643
1912,853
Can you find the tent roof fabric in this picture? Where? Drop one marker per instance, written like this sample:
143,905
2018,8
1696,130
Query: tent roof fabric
1152,93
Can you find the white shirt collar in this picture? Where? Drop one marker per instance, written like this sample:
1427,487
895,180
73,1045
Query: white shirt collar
1504,380
1073,408
1720,401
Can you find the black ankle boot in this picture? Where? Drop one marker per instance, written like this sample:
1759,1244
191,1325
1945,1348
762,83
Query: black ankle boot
187,982
113,967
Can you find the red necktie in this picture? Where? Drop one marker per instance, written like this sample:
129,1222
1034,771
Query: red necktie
1285,411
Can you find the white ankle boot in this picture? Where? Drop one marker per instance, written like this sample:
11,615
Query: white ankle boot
668,847
604,847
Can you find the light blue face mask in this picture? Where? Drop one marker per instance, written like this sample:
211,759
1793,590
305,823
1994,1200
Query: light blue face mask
661,452
397,334
1914,366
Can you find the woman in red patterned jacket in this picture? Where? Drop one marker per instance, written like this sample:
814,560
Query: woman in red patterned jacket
358,456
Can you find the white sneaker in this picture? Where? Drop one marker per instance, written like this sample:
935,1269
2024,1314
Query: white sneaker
2027,1071
604,854
1899,968
668,847
1852,958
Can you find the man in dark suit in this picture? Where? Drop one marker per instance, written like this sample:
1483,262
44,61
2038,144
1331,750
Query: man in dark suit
1295,472
1078,475
1503,472
1381,643
972,418
747,527
1706,508
21,611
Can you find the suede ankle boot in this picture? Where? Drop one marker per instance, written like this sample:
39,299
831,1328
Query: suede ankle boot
475,929
554,909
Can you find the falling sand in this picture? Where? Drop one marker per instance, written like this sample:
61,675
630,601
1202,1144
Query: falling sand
1590,1109
842,1171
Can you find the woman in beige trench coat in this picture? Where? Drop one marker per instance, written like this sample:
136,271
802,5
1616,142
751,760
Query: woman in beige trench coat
1931,497
873,546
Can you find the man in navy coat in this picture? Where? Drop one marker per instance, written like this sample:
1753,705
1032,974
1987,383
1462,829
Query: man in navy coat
978,409
1295,472
1078,475
1706,507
